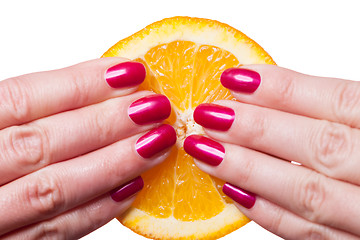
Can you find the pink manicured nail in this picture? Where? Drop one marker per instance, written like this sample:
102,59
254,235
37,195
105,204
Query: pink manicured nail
241,196
204,149
156,141
240,80
150,109
128,189
126,74
214,116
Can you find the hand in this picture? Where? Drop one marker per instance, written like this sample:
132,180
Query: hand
289,150
72,146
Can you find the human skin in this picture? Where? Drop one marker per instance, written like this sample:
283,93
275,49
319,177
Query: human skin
291,154
69,160
71,156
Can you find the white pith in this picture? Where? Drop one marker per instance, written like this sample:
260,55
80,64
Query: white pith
185,126
163,228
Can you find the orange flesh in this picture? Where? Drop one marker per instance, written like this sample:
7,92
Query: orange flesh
174,187
184,57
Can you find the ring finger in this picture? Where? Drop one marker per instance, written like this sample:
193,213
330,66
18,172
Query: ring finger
306,193
65,185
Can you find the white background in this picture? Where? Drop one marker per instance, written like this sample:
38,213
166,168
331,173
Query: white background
314,37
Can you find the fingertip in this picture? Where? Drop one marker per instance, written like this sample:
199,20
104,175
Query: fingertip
156,141
125,74
241,80
127,189
214,116
152,108
241,196
204,149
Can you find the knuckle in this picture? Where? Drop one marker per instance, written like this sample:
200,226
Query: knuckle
318,232
78,96
104,116
239,171
112,168
27,146
246,169
94,217
277,220
260,126
347,102
79,84
314,232
101,123
50,230
254,125
284,93
44,195
15,99
331,145
311,194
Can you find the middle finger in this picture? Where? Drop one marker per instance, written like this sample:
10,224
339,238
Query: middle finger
27,148
327,147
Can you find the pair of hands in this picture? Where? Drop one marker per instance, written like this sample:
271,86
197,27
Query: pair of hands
71,152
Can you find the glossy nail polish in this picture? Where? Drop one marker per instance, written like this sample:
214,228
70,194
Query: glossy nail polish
128,189
125,74
150,109
156,141
204,149
214,116
240,80
241,196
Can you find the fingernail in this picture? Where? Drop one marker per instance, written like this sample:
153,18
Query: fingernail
150,109
241,196
128,189
125,74
240,80
204,149
156,141
214,116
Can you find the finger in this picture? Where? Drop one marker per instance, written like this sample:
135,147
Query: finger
327,147
77,222
317,97
284,223
33,96
65,185
308,194
27,148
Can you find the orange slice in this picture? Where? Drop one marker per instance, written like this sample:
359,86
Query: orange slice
184,58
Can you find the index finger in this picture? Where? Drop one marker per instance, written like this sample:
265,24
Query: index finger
33,96
274,87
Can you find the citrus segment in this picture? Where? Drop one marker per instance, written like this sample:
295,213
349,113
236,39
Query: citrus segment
196,197
184,58
210,62
173,61
157,197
